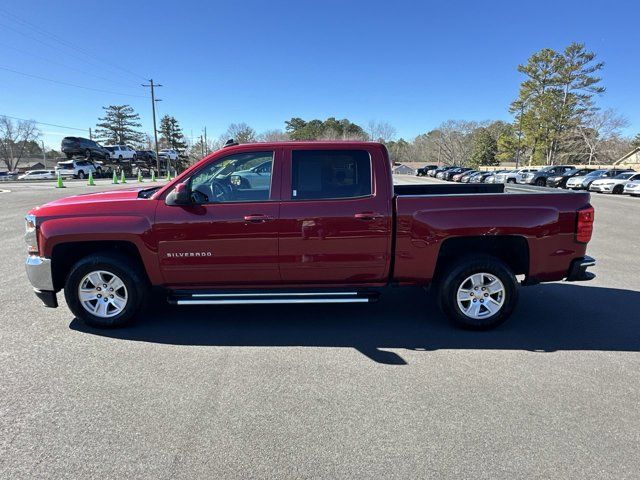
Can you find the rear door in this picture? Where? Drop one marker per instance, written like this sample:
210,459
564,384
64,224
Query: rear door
335,216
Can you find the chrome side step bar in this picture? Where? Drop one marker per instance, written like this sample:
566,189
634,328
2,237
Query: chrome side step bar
265,298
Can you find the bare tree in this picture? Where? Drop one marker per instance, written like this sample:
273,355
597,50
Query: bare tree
240,132
14,140
454,140
599,127
273,136
381,131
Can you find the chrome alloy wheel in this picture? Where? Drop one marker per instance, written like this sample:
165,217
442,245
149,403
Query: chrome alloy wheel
481,295
102,294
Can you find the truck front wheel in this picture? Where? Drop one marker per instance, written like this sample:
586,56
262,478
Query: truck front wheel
105,291
478,293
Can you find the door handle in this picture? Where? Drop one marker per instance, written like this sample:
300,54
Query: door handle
367,216
258,218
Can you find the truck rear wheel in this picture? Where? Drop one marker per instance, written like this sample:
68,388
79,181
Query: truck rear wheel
104,291
478,293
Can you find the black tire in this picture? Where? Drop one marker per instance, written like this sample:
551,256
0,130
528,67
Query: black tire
120,157
69,156
541,182
133,279
135,157
455,277
81,175
618,189
98,172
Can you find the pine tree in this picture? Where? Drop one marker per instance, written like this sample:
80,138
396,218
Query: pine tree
554,98
485,148
119,126
171,135
636,141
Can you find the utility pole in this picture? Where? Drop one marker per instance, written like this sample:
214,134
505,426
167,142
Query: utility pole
205,140
90,136
201,147
155,130
44,155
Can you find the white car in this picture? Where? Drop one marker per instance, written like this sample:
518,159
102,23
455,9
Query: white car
257,178
121,152
169,153
512,175
615,184
77,169
38,175
522,175
632,188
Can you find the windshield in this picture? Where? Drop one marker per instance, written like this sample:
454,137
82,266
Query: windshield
624,176
595,173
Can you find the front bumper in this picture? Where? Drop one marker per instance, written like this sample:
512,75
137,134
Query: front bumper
578,269
41,278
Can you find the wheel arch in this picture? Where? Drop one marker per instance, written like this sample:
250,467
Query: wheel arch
513,250
66,255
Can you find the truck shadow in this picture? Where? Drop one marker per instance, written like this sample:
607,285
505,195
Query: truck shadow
549,318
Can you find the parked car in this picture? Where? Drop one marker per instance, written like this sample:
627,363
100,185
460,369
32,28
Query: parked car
258,177
424,171
520,176
459,177
583,183
77,169
540,177
328,232
6,176
615,184
169,153
78,146
146,155
38,175
122,152
438,172
492,177
482,177
510,176
560,181
448,175
469,177
632,188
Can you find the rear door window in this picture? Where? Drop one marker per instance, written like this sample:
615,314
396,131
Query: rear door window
324,174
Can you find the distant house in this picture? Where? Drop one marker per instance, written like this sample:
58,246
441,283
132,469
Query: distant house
30,164
403,170
631,159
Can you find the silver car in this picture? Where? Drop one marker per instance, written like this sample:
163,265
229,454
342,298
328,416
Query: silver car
615,184
632,188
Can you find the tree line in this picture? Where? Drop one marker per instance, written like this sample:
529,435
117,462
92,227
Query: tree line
556,120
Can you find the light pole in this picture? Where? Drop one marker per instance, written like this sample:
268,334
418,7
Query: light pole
153,109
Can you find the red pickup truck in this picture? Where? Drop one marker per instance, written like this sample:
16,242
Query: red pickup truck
303,222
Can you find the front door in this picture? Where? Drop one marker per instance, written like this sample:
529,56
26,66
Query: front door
335,217
229,236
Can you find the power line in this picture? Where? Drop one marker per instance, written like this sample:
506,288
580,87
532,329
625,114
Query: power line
25,52
43,123
64,42
70,84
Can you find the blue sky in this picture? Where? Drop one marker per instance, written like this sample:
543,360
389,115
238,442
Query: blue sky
412,64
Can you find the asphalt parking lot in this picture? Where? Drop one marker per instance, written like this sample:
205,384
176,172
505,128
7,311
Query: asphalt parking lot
386,390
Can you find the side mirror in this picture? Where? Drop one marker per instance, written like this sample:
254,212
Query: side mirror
180,195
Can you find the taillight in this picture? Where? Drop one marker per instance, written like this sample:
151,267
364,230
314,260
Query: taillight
584,225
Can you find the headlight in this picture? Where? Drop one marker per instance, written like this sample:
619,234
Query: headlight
31,235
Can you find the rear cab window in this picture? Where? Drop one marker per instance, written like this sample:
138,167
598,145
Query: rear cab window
330,174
